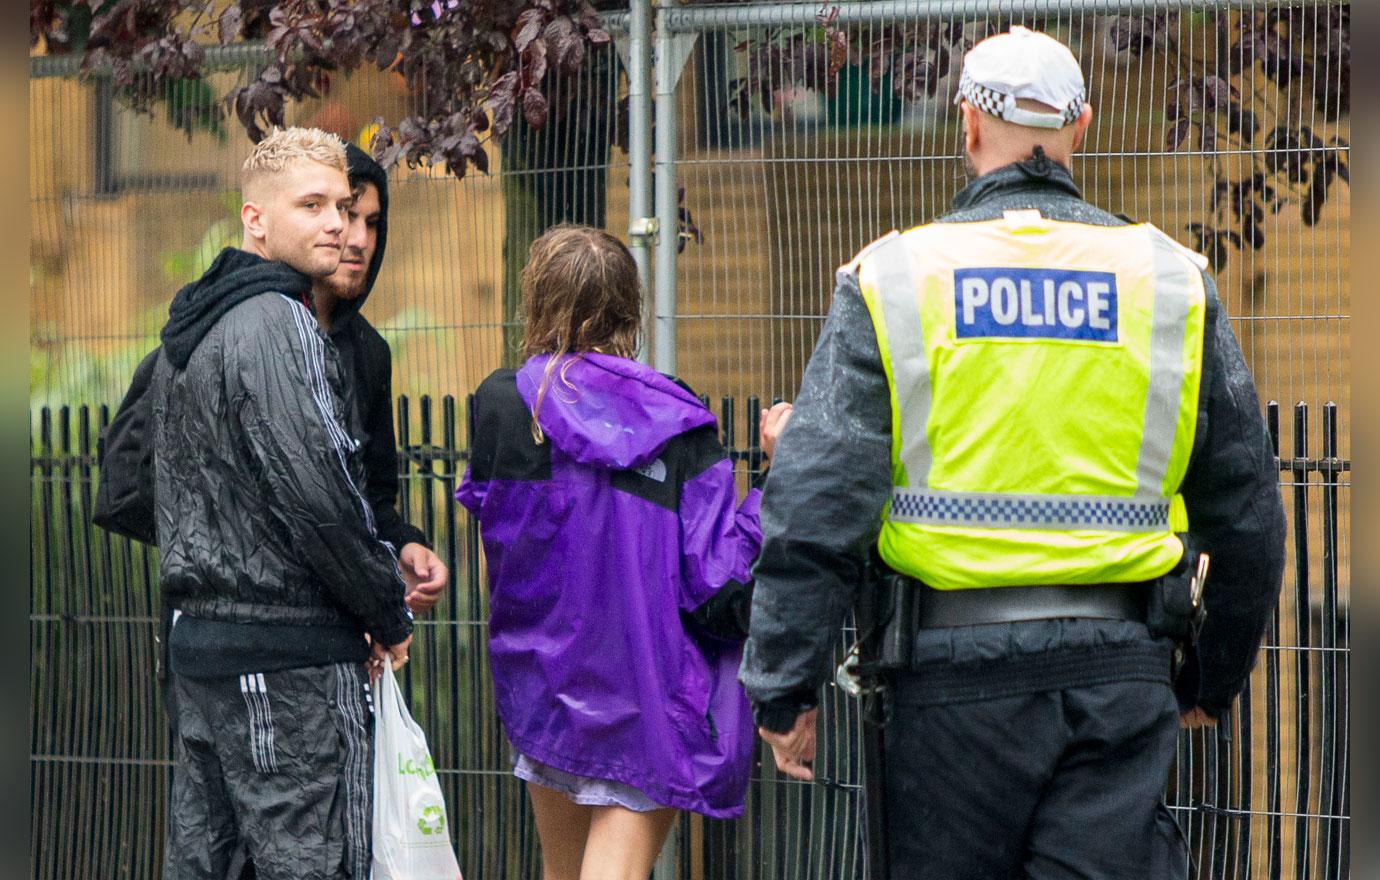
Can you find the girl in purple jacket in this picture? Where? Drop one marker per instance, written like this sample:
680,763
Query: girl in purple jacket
619,571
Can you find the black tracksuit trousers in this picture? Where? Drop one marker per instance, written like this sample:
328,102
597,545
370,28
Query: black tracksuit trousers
277,766
1062,783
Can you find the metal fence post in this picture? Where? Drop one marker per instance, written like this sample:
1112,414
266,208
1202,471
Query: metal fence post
672,51
636,53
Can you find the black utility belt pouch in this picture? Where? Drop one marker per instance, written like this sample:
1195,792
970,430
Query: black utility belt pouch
1175,610
900,597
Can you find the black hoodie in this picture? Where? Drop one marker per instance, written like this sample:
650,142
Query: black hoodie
368,364
233,277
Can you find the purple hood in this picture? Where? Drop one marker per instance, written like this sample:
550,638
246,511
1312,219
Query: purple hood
600,543
610,412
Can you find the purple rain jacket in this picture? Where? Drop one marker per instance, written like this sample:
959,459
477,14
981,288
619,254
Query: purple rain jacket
619,575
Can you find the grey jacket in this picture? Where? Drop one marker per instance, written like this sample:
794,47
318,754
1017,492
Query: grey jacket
830,478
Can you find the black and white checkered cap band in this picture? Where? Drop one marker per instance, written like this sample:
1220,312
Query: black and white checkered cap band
995,103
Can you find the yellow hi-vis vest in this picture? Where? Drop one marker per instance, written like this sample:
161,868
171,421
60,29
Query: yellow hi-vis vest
1044,396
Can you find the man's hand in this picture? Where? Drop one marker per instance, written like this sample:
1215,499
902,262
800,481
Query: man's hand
395,656
1196,718
425,575
773,422
795,749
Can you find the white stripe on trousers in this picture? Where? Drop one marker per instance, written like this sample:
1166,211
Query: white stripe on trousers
358,775
261,743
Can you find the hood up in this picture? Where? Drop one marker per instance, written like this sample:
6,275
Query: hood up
610,412
363,169
233,277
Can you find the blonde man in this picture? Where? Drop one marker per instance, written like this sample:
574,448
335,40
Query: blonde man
268,550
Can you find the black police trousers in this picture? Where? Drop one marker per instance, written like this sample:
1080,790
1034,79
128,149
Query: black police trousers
1045,784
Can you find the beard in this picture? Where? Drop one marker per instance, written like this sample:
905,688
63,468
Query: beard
968,167
344,288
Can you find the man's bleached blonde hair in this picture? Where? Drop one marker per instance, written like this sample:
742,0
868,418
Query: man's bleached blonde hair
284,147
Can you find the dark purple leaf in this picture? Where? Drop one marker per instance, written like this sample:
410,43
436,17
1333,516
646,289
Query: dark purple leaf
574,56
498,42
534,64
385,53
559,29
534,107
312,40
564,42
479,121
529,26
479,158
1217,92
228,25
1207,137
1242,122
1177,132
502,107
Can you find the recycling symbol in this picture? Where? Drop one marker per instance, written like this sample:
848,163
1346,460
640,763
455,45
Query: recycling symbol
433,820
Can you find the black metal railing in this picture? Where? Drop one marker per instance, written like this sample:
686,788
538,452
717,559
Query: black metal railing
1265,794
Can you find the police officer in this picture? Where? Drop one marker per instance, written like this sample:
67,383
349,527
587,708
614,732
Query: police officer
1036,414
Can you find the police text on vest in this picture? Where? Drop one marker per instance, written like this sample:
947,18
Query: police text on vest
1035,303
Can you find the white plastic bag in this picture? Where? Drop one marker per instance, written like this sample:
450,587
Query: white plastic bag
411,832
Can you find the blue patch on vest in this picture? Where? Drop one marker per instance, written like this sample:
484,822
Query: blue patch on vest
1035,303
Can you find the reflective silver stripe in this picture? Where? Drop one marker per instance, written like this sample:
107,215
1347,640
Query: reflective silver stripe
1168,323
989,510
910,368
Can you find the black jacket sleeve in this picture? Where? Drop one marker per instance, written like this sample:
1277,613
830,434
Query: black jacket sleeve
1235,514
291,421
821,511
380,443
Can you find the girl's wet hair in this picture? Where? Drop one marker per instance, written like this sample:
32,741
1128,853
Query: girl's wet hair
580,293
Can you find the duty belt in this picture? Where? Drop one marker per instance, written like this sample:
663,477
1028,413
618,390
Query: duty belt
938,609
906,606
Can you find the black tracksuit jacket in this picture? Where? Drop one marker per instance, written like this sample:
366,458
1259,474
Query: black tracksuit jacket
261,516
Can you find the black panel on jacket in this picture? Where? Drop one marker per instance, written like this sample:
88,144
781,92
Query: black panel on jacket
503,446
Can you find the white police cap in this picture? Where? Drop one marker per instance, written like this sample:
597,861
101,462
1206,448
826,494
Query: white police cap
1023,64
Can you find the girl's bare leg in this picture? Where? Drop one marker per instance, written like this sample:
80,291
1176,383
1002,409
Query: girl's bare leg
623,844
563,827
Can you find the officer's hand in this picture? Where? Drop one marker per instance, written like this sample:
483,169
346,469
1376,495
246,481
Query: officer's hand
1195,719
795,749
773,422
425,576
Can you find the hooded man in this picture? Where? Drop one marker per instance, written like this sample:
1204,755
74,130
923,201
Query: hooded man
368,366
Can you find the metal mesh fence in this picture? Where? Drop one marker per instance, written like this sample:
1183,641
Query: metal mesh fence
785,174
